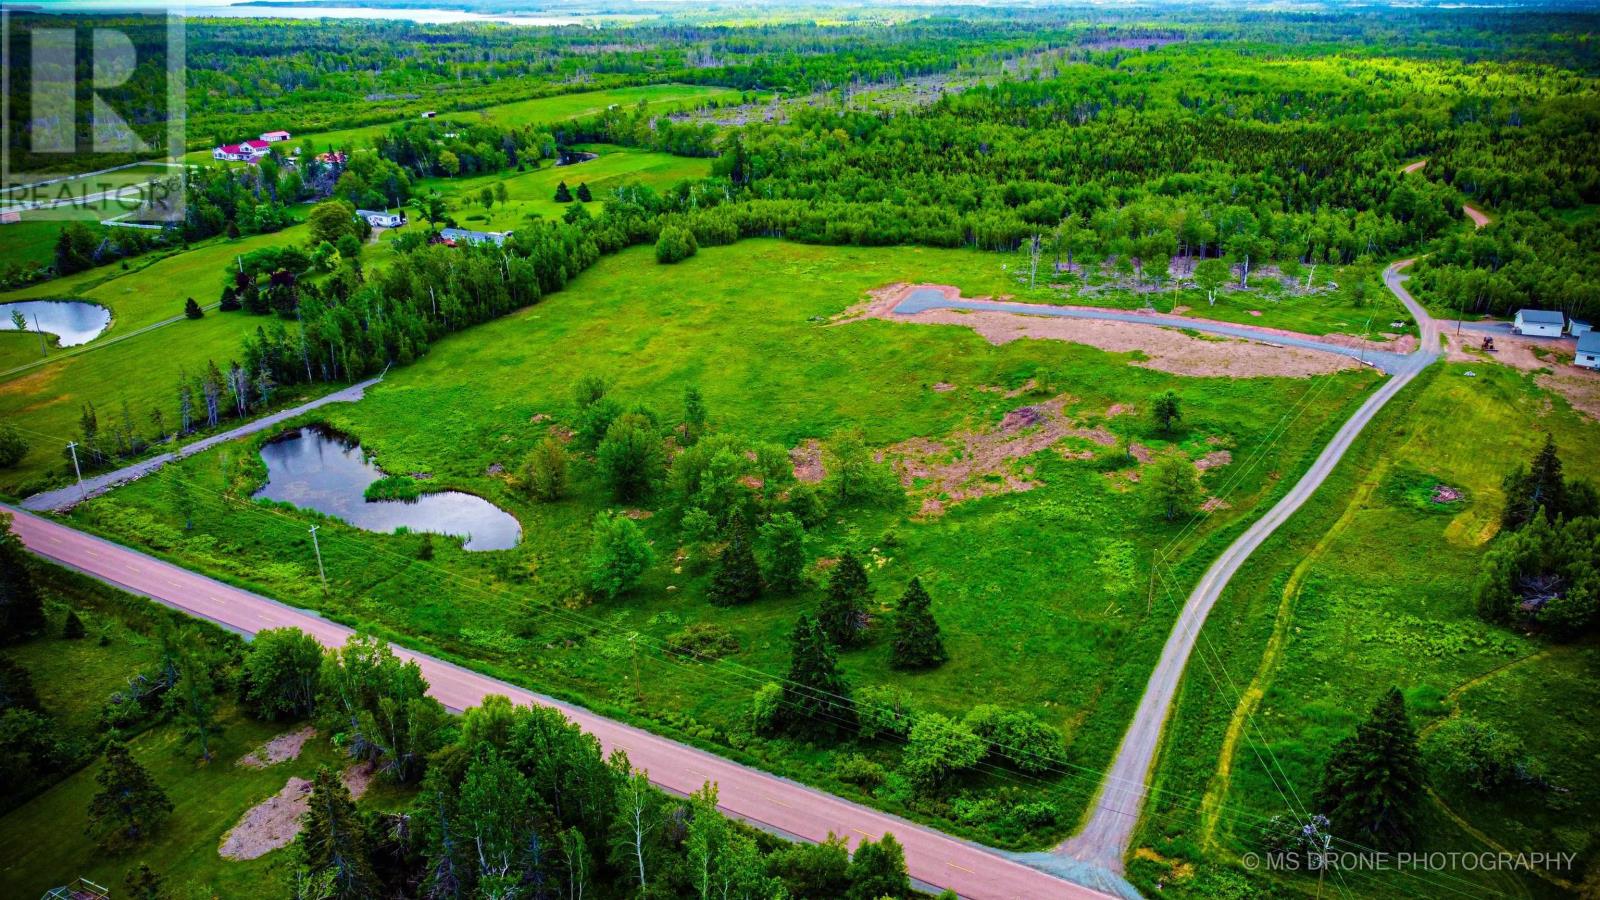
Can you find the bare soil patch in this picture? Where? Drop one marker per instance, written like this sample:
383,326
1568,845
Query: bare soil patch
983,463
1556,373
273,823
1214,459
282,748
1478,217
807,461
1165,349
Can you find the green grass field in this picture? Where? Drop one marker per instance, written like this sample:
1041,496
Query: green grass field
741,322
532,194
524,112
142,370
1371,586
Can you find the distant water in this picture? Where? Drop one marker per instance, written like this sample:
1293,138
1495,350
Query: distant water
73,321
316,469
303,11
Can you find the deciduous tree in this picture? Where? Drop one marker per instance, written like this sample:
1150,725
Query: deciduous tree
129,805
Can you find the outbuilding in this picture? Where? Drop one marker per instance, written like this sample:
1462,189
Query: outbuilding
1578,327
1588,354
1539,322
272,137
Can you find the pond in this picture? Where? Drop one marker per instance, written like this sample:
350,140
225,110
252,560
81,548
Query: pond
314,468
72,321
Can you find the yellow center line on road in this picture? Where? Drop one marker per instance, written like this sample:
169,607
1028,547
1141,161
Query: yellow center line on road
865,834
962,868
779,802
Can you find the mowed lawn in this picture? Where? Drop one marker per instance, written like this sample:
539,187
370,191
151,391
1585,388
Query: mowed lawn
532,194
1041,594
1372,587
142,370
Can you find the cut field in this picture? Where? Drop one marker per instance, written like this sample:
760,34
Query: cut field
532,194
142,370
1370,587
749,325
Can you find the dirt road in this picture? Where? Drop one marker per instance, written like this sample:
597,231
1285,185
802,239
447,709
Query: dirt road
1105,840
776,803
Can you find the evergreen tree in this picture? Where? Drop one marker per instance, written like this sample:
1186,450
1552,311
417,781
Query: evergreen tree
784,540
21,608
917,642
843,613
16,687
1165,411
129,804
333,838
694,415
1539,488
1373,781
738,578
72,629
816,697
192,310
143,883
583,192
562,194
878,870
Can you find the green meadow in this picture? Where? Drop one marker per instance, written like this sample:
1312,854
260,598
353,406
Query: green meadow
524,112
1042,593
1369,587
141,369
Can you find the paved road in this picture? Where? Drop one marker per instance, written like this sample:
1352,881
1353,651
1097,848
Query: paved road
778,804
1392,363
1105,840
67,497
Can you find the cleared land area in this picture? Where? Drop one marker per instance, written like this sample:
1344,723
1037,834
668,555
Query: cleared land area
756,341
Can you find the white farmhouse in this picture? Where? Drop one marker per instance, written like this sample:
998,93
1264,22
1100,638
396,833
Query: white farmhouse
1539,322
384,219
1588,354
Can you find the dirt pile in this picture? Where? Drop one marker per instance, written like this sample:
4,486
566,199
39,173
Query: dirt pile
282,748
274,822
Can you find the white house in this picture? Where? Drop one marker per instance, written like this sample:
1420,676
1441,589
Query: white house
429,114
1578,327
383,219
244,151
1588,354
1539,322
463,235
272,137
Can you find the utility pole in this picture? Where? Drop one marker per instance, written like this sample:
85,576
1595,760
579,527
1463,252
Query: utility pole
44,345
318,548
72,446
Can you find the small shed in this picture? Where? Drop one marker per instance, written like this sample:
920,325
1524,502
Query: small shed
1588,354
1578,327
1539,322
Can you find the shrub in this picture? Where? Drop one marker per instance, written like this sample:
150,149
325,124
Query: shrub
544,472
618,556
703,640
393,487
884,710
12,446
862,772
1016,738
1478,757
937,749
675,244
765,707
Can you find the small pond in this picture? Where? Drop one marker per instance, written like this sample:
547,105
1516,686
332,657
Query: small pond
73,321
313,468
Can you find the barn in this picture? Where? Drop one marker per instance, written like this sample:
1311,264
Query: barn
1539,323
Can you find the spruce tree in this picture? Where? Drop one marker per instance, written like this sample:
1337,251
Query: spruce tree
816,698
129,805
21,609
1374,779
334,837
1539,488
844,610
562,194
72,629
143,883
738,578
583,192
917,642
